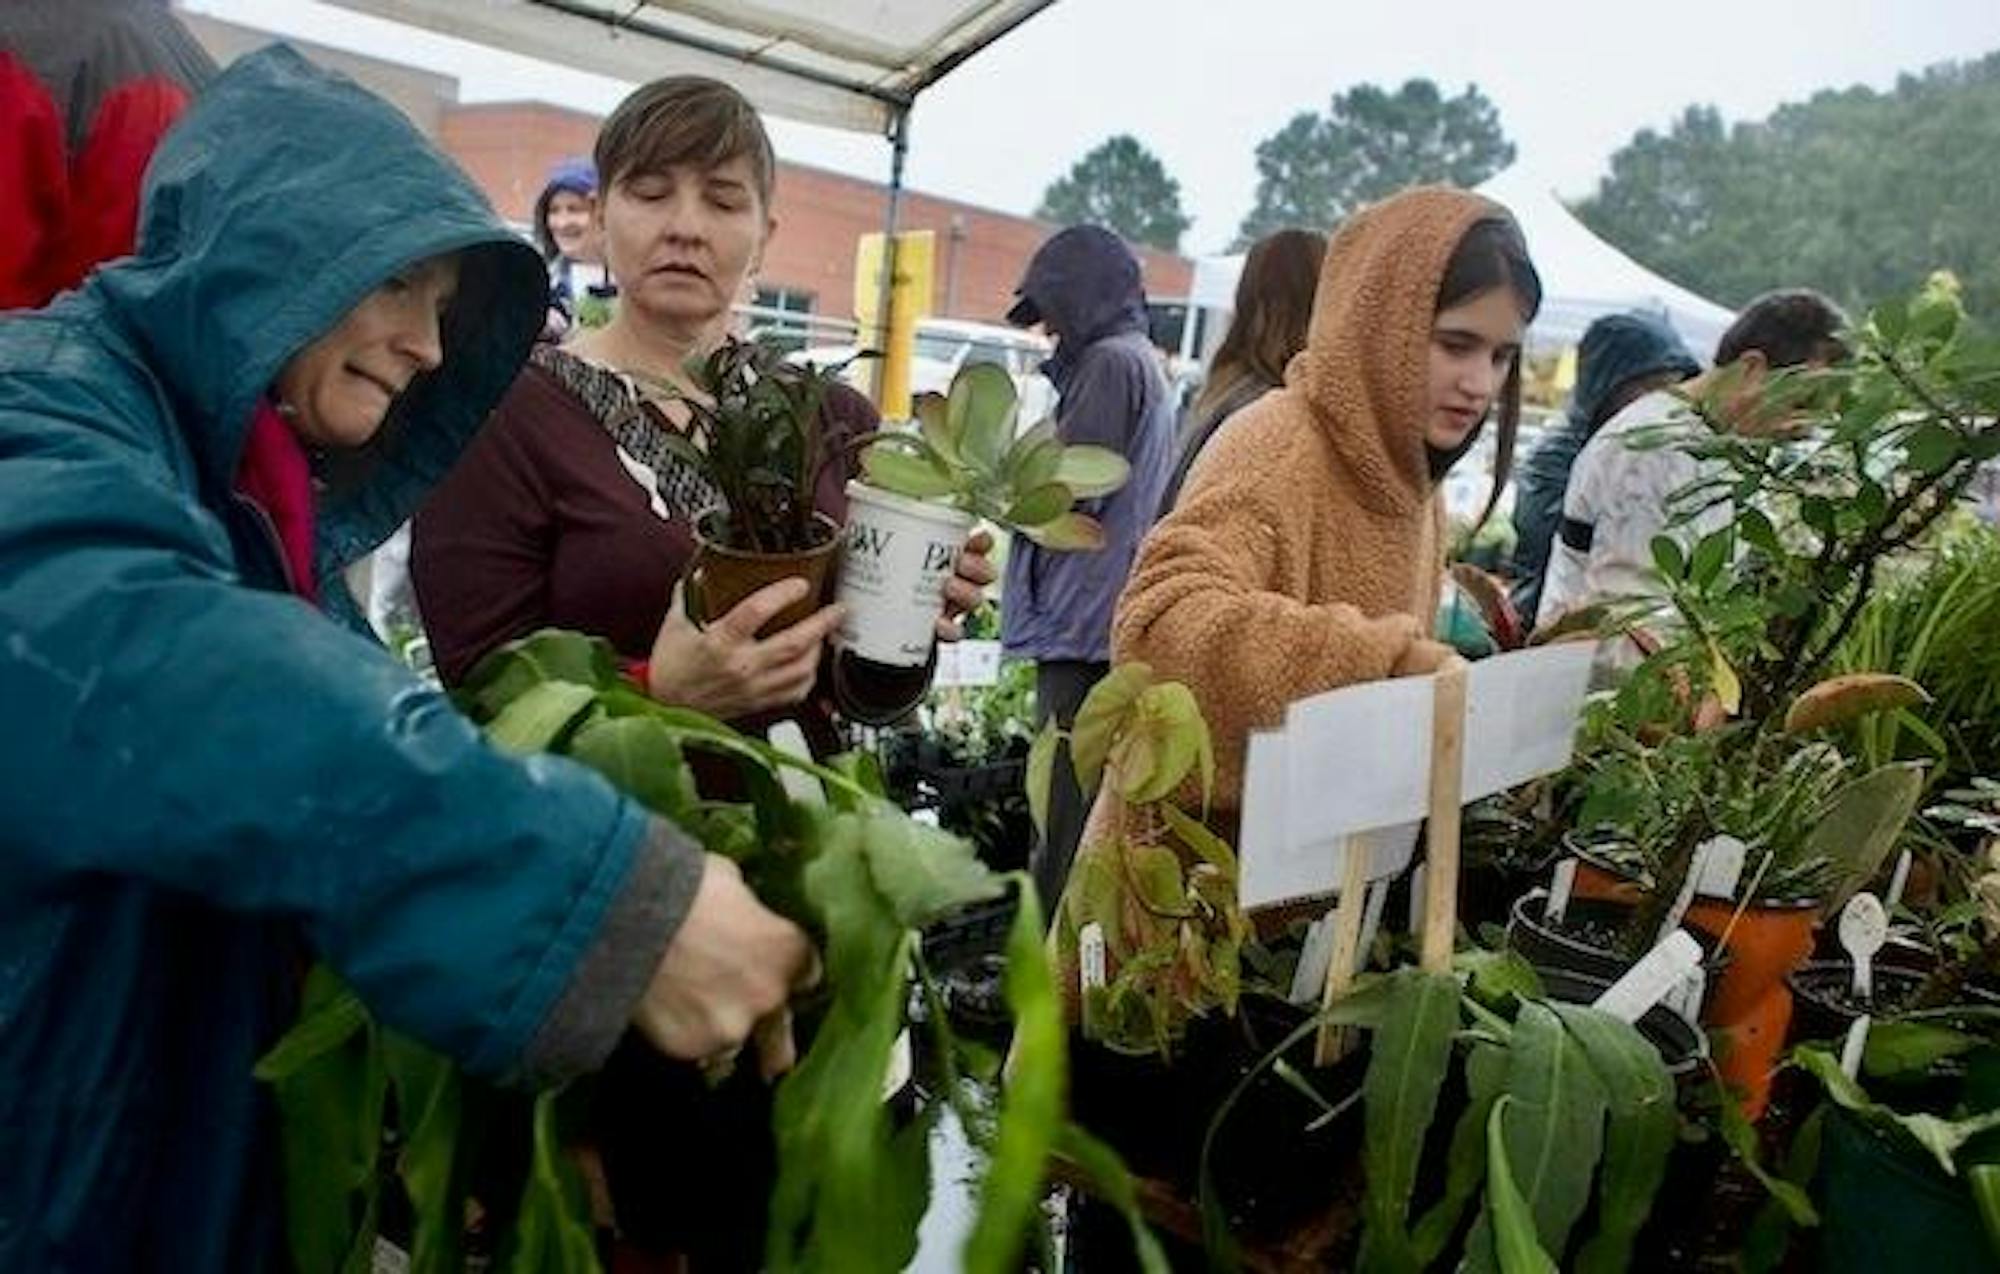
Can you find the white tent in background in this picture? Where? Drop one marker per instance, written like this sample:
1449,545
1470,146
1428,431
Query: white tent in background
1583,277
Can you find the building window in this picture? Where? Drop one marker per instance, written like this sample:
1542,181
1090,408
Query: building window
781,317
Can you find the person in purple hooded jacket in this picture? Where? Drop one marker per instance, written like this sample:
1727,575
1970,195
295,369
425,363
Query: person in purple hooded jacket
1082,287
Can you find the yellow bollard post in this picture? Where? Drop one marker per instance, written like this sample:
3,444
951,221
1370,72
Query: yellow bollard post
909,301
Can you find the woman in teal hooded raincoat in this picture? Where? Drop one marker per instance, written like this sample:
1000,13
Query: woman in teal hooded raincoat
210,780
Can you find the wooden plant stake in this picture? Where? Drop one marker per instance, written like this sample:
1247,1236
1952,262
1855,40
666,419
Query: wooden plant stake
1442,832
1345,956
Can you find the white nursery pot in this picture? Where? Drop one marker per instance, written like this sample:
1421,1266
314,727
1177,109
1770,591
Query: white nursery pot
896,555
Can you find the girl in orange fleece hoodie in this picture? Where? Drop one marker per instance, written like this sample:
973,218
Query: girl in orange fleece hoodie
1306,549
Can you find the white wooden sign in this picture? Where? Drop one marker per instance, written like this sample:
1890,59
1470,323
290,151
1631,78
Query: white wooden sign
1355,762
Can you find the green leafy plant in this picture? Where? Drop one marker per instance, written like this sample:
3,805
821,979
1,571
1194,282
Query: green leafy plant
1158,885
855,871
1565,1107
964,452
754,433
1927,1085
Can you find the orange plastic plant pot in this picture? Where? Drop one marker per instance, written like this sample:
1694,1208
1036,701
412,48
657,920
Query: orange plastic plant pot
1752,1007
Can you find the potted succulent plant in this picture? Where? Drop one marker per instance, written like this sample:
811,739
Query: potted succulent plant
755,435
920,494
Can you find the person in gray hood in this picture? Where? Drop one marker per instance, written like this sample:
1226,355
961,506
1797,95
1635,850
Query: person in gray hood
1082,287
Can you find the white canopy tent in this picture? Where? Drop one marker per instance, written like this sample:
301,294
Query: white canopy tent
1583,277
853,64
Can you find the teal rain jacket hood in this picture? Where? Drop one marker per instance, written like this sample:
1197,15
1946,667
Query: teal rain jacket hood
208,783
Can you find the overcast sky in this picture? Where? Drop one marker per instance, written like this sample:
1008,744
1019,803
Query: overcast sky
1201,82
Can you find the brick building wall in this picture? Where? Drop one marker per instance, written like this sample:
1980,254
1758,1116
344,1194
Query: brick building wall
508,147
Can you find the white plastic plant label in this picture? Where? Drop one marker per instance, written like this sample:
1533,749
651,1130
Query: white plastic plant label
1658,973
1309,979
1864,927
1090,956
1561,885
1722,867
1855,1047
895,557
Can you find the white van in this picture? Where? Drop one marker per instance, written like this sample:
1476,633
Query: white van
945,345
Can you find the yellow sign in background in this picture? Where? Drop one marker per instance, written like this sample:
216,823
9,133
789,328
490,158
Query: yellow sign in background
909,300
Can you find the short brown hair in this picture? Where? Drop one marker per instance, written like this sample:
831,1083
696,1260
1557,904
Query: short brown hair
684,119
1788,327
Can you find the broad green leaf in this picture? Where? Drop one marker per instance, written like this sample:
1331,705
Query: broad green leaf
1515,1245
642,759
1983,1179
921,872
552,1234
1759,533
1711,554
430,1111
329,1101
533,722
1101,716
1931,448
1639,1138
1411,1052
828,1211
933,422
981,414
1156,878
1035,457
1861,825
1092,471
1039,505
325,1026
1940,1138
1498,976
1554,1127
1070,532
906,473
1465,1162
1040,778
1159,745
1031,1107
1194,833
1667,558
548,655
1912,1047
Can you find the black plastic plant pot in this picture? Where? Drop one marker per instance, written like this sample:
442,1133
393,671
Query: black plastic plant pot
1270,1171
1824,1004
1584,942
1680,1042
1887,1206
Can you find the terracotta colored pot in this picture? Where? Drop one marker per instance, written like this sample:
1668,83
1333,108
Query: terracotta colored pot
1600,881
718,577
1752,1009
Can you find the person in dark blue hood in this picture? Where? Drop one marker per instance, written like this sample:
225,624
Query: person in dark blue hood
209,781
1621,358
1083,288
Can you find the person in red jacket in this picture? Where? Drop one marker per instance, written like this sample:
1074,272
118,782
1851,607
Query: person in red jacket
87,88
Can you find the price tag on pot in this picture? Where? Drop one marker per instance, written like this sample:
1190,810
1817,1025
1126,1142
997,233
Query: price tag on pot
803,788
1090,955
1658,973
1864,927
1697,868
1687,997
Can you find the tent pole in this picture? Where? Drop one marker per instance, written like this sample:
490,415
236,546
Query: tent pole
899,153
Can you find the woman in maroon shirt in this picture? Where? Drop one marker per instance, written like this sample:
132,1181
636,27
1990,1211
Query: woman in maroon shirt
567,512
